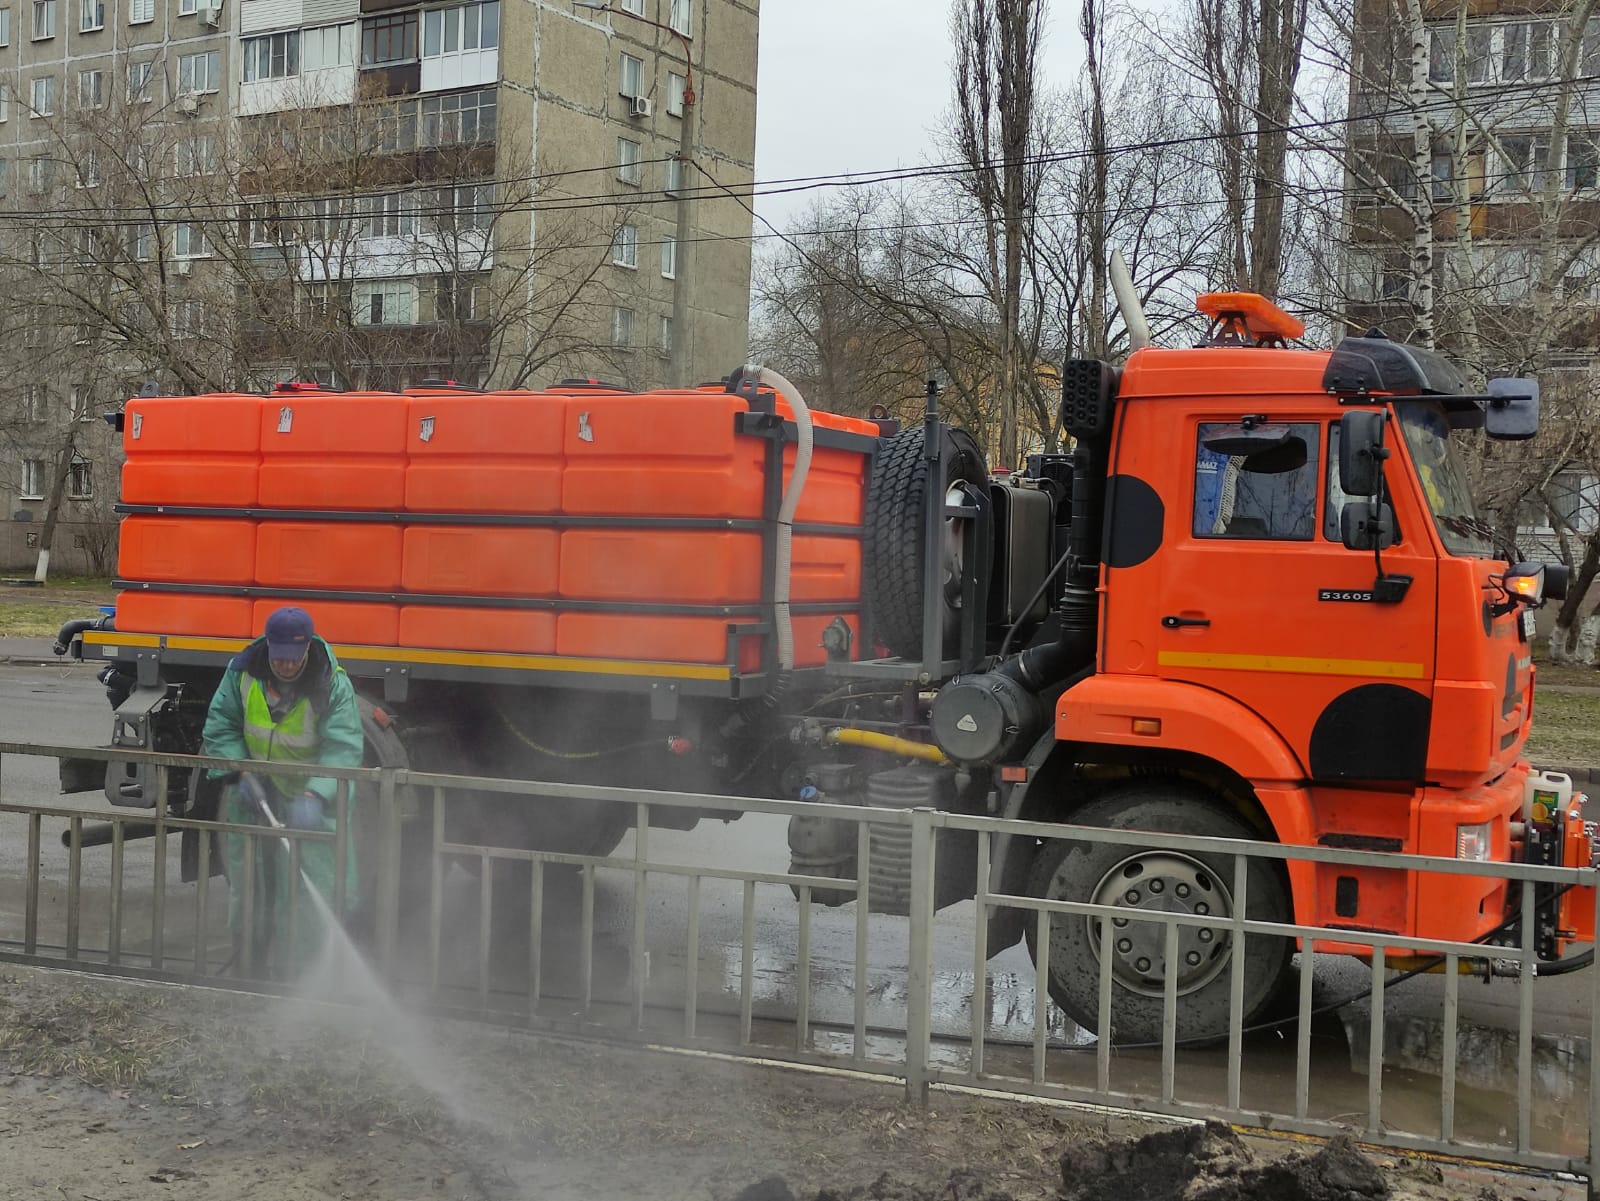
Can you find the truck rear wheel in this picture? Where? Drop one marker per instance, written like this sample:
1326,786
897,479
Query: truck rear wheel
897,500
1164,880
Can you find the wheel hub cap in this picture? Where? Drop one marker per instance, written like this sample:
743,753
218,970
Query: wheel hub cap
1162,882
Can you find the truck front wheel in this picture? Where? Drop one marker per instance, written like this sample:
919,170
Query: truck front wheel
1157,880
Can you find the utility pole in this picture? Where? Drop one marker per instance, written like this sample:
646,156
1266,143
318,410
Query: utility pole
680,359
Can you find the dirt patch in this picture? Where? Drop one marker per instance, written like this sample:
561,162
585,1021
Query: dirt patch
1566,725
110,1089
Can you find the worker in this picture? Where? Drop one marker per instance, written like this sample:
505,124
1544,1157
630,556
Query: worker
284,699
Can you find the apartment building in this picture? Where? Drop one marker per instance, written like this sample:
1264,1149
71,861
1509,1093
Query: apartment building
1462,184
369,193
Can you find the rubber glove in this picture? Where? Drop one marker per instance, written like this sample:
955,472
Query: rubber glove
304,812
253,793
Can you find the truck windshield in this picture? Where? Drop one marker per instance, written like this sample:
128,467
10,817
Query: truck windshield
1444,480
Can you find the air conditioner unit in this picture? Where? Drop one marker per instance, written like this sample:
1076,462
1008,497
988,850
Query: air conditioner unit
638,106
188,102
211,14
182,266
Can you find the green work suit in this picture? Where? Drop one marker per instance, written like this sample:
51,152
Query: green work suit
322,725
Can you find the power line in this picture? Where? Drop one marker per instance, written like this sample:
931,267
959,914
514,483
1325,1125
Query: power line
797,184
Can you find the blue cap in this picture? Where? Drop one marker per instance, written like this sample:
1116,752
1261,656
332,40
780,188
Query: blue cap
289,632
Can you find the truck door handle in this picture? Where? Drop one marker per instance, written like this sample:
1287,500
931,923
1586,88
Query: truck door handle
1172,622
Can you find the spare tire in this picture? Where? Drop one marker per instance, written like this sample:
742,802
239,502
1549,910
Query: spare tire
893,563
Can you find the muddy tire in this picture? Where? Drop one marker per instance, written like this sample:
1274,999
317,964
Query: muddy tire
1157,879
896,502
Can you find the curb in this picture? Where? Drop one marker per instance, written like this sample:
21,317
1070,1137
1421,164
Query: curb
34,661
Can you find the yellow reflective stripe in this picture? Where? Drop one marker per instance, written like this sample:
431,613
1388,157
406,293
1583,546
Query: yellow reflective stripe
1384,668
401,654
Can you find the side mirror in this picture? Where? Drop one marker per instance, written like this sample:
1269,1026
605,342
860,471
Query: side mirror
1361,529
1361,452
1557,579
1513,410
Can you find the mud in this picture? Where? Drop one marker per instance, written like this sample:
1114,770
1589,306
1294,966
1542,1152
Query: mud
1208,1162
111,1091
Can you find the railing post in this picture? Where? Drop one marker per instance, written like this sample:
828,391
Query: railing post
919,984
387,892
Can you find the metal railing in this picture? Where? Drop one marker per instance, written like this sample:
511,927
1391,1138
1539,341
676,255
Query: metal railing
617,946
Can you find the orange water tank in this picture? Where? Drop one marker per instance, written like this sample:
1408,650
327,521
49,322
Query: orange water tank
506,631
355,623
350,555
495,453
191,450
181,613
480,560
187,550
342,450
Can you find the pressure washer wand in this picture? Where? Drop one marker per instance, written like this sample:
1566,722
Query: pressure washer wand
255,793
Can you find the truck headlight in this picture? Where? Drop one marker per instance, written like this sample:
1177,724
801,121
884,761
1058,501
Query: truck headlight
1473,842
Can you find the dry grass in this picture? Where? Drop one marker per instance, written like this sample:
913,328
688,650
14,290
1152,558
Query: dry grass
1566,728
106,1038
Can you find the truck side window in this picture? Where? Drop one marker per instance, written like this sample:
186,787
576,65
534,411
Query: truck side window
1255,496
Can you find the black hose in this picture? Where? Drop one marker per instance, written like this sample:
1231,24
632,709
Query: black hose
71,629
1563,967
1033,600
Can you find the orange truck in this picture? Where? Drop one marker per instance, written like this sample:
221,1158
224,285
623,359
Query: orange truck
1253,600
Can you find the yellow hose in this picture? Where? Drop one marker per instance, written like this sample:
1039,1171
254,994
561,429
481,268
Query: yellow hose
888,742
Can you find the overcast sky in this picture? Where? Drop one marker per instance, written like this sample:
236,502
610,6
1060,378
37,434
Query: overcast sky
861,85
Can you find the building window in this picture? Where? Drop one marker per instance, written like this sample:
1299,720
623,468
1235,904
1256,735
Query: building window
44,96
195,156
326,223
460,118
91,15
675,90
628,161
680,17
630,78
384,302
464,208
453,30
4,176
5,102
140,11
141,242
329,46
621,327
673,183
199,72
636,7
140,79
454,299
41,174
89,170
189,241
390,216
91,89
664,335
1443,177
44,19
188,319
275,56
187,8
34,402
32,479
80,479
391,39
1583,162
625,246
5,27
669,258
